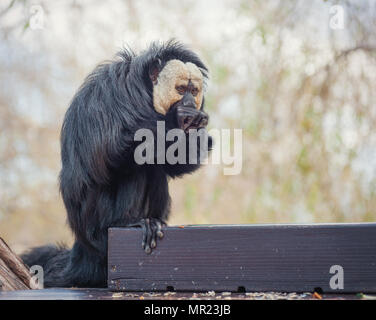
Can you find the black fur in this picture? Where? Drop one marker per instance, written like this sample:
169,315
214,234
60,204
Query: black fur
100,183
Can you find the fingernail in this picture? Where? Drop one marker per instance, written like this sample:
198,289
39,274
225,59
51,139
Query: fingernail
160,234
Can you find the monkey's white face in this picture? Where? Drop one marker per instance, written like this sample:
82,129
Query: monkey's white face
172,82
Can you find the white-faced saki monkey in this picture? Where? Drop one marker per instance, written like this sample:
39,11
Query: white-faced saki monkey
101,184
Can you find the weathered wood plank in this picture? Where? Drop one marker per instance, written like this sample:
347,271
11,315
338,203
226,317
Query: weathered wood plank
288,258
104,294
13,273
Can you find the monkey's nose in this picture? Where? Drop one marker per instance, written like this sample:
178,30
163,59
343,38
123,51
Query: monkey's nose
189,104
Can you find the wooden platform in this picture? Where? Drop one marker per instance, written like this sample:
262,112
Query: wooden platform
286,258
104,294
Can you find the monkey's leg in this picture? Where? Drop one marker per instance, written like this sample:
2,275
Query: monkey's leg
152,230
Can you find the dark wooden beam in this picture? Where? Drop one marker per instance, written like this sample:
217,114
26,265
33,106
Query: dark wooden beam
105,294
284,258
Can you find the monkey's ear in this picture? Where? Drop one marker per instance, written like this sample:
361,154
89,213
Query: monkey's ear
154,70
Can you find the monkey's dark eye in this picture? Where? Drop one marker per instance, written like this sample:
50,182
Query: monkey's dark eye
181,89
194,92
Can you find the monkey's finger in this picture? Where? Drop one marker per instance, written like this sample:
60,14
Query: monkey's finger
149,236
155,229
187,122
146,236
147,249
196,120
203,123
153,243
143,238
159,230
202,120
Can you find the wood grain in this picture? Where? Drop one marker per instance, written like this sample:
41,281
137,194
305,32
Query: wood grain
14,275
105,294
287,258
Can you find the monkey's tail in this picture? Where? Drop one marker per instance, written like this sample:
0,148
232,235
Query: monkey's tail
41,255
63,267
53,259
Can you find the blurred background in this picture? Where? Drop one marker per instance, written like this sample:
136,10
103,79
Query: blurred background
296,77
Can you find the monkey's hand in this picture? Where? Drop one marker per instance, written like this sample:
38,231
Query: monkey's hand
189,118
151,229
